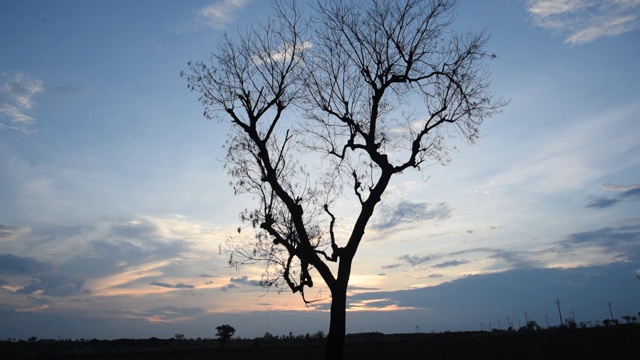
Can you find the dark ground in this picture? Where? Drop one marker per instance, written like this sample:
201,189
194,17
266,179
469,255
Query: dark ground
615,342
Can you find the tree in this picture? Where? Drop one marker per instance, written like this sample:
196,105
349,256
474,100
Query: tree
224,334
179,338
570,323
361,90
629,319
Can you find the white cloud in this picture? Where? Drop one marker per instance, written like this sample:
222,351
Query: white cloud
284,54
576,153
17,92
584,21
219,14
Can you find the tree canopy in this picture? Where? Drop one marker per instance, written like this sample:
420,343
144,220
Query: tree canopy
332,103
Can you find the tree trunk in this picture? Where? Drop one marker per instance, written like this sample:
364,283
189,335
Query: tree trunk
337,325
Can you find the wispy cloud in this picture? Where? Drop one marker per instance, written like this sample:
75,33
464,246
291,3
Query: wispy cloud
217,15
167,314
406,214
627,193
245,280
391,266
172,286
622,239
10,233
514,259
451,263
584,21
17,93
414,260
120,283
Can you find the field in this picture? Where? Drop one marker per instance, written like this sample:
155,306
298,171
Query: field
615,342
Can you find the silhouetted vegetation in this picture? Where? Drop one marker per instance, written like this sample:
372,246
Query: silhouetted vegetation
597,342
224,334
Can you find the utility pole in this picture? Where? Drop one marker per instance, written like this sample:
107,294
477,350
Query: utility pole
499,328
509,324
610,312
559,312
547,317
526,319
573,314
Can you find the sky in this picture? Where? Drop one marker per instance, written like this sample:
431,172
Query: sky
114,201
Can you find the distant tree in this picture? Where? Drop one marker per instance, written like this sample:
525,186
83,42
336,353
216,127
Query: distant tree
268,337
629,319
532,325
179,338
33,339
570,323
224,334
378,88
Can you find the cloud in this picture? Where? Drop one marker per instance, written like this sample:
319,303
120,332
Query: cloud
229,287
391,266
15,265
216,15
361,288
450,306
10,233
127,281
619,187
33,308
374,305
53,285
284,53
245,281
601,203
17,93
416,260
406,214
631,192
43,277
624,239
172,286
584,21
236,283
515,259
138,228
168,314
135,256
451,263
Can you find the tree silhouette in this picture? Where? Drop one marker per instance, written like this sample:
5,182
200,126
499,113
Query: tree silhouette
224,334
361,90
179,338
629,319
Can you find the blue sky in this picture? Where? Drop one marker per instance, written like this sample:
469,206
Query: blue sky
113,200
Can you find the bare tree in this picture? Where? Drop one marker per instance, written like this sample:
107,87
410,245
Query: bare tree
361,90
